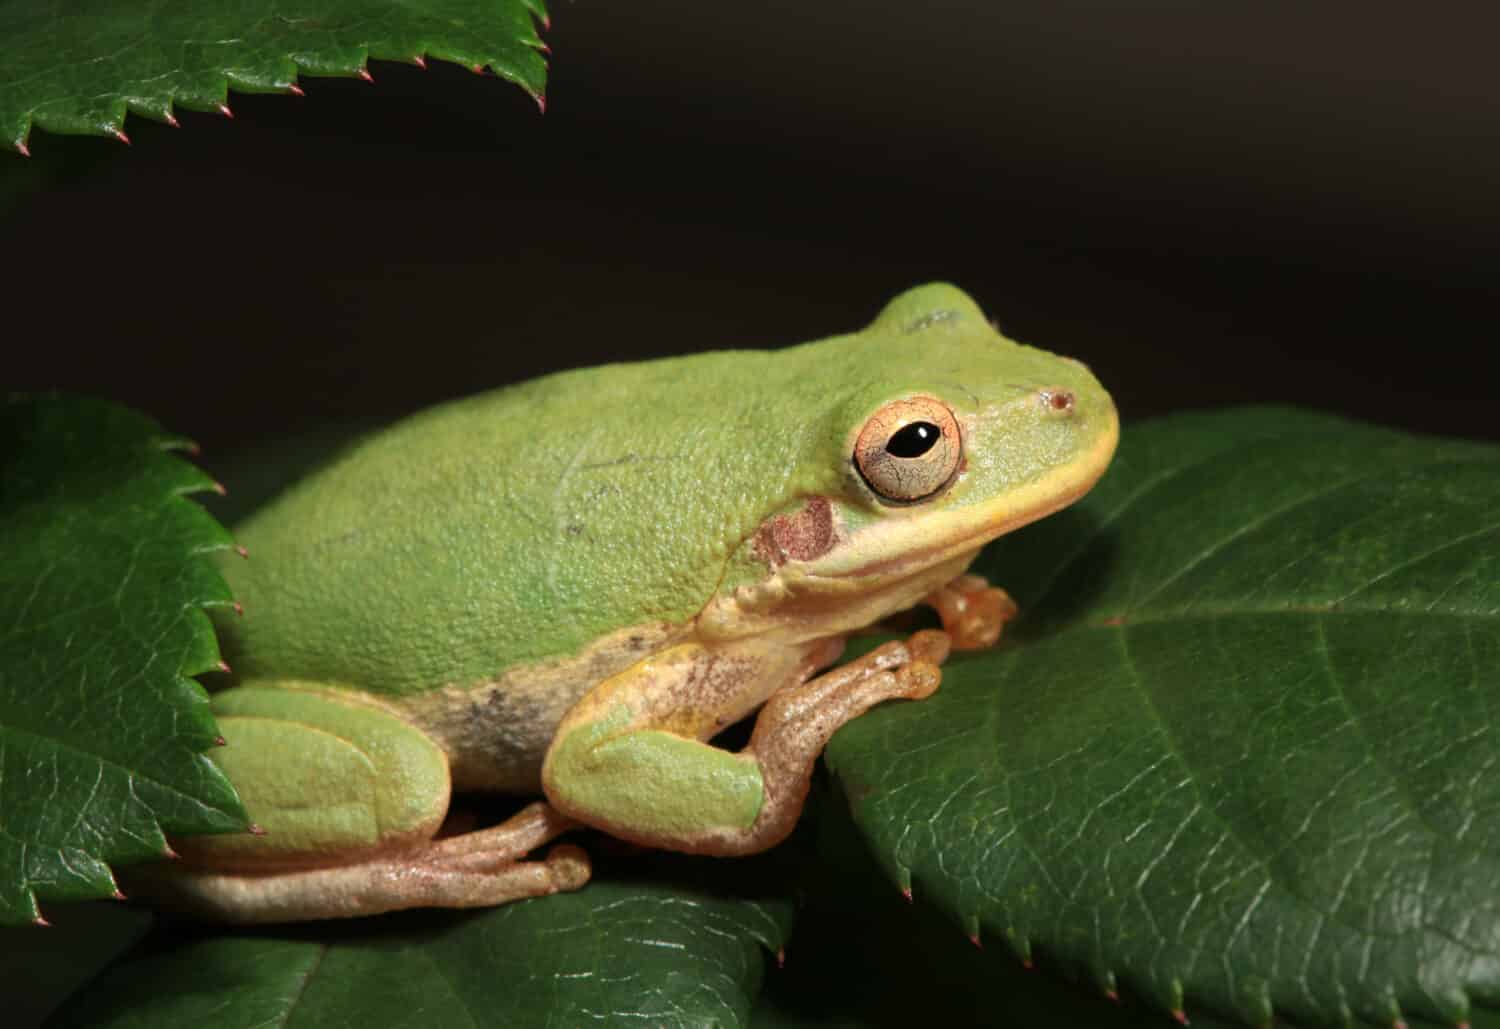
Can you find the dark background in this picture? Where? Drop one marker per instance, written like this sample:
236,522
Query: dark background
1210,204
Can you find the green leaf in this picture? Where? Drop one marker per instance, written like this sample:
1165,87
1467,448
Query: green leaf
1238,752
77,66
864,957
102,590
615,953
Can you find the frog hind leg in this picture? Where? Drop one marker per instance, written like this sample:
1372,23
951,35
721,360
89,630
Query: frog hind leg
629,758
477,869
346,799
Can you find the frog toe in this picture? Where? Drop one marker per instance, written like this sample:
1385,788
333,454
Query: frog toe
974,613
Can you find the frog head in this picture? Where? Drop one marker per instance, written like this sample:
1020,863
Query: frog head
934,435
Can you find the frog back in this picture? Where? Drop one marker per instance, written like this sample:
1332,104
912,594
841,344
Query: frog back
518,525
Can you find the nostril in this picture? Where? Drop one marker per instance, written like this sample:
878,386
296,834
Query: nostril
1057,400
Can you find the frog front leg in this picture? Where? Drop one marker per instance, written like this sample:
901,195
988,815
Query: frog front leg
346,799
629,758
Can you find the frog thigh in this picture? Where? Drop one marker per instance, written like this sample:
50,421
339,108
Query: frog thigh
323,777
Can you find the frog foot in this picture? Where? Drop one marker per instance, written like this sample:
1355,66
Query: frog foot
797,721
476,869
973,611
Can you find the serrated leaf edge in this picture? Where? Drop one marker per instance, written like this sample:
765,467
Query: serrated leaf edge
288,85
170,445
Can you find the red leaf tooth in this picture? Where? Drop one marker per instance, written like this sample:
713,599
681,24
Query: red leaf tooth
172,121
120,135
420,61
295,90
23,150
364,73
225,111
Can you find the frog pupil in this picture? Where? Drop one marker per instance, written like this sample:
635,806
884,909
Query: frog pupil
913,440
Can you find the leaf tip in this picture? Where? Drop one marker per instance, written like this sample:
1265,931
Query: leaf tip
780,957
41,923
1022,947
1180,1015
295,90
120,135
22,148
223,666
971,924
255,830
220,489
225,111
541,101
239,548
364,73
171,119
420,60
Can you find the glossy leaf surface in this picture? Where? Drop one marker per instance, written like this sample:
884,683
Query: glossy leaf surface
1239,750
614,953
103,582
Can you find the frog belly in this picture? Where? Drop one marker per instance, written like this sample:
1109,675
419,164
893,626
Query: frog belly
496,733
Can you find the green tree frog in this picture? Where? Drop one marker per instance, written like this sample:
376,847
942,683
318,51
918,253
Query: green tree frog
567,587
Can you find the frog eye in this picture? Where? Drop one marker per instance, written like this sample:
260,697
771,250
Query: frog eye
909,449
